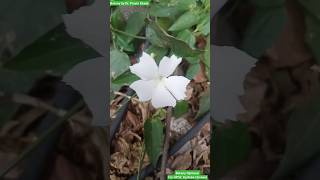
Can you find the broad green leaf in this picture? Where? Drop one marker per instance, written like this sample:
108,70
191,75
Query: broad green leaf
303,138
312,36
135,24
264,28
158,52
192,60
188,37
125,78
119,62
154,136
172,9
152,36
180,109
232,144
179,47
123,44
24,21
182,49
164,23
117,19
193,70
56,51
204,25
185,21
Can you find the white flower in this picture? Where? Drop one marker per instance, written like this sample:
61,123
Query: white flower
156,84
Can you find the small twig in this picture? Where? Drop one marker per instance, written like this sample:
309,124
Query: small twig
166,145
143,153
126,96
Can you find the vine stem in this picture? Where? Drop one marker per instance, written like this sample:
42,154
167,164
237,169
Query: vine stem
127,34
166,144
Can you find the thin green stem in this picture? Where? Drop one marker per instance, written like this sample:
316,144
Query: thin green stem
166,145
127,34
29,150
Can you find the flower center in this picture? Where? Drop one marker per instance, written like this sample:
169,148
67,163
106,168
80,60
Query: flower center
161,80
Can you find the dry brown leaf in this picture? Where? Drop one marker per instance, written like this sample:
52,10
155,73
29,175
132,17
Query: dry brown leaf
182,161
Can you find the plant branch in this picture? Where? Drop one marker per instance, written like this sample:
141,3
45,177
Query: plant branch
166,145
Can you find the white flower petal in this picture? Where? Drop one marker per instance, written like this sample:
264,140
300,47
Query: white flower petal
177,85
146,69
144,89
89,24
168,65
162,97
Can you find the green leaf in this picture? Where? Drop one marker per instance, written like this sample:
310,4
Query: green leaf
152,36
158,52
125,78
119,62
192,60
303,138
264,28
185,21
188,37
117,19
204,25
123,44
154,137
232,144
56,51
27,20
180,109
165,23
172,9
135,24
179,47
193,70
